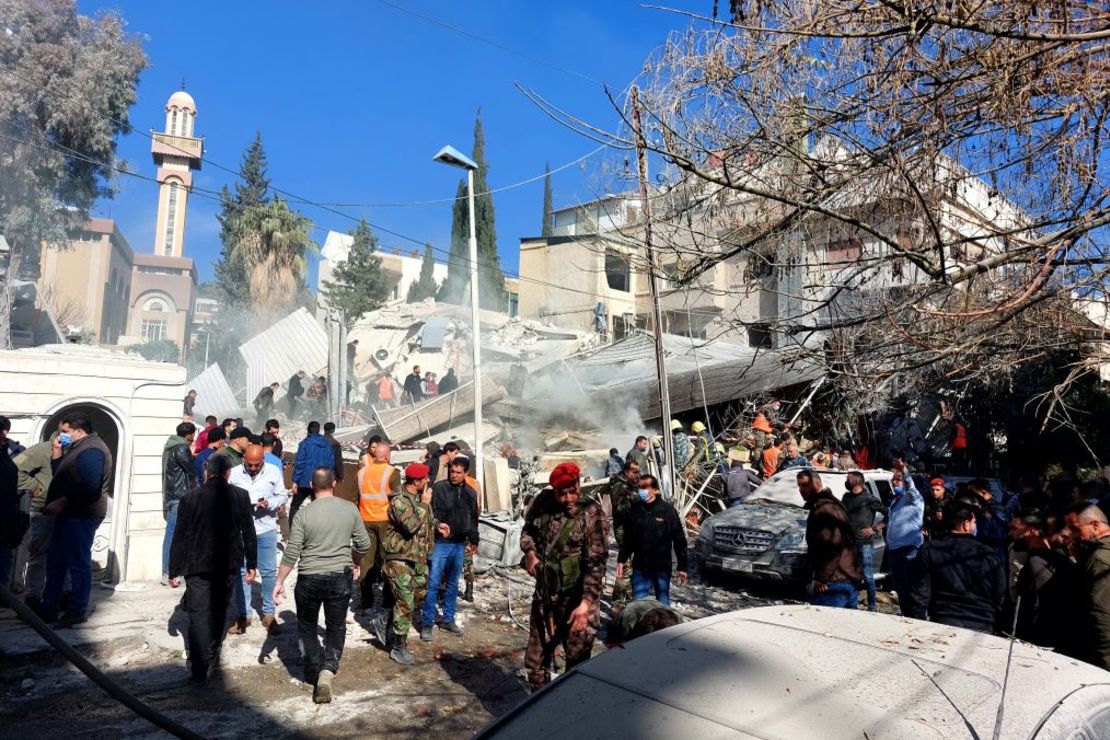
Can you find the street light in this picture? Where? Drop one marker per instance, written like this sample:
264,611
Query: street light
449,155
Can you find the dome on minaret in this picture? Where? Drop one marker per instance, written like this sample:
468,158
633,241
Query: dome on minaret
183,101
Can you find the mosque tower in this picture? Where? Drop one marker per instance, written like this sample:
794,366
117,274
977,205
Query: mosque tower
177,153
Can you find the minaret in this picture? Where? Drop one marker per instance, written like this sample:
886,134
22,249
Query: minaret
177,153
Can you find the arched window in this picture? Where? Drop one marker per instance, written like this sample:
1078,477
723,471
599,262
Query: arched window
156,305
173,123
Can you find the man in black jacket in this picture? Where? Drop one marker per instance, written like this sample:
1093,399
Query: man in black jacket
960,579
336,450
294,389
215,534
652,532
78,501
454,504
413,389
178,478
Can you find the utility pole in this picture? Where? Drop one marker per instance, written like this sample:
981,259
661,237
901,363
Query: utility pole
657,311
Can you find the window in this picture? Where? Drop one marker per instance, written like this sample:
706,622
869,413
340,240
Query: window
617,271
514,305
759,336
157,270
171,219
843,252
156,305
173,123
153,330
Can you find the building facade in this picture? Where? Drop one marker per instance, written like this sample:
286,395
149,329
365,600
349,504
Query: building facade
402,269
87,282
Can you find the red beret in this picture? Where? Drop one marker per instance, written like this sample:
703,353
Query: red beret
936,482
564,475
416,471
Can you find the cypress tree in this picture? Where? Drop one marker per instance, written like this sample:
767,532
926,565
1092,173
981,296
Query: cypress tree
425,286
358,285
458,261
547,206
491,280
232,279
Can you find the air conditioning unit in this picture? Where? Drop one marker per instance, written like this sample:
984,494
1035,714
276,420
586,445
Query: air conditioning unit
383,358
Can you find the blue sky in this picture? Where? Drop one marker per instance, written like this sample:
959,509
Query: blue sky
354,97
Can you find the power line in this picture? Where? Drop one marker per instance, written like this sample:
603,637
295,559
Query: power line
530,180
490,42
461,261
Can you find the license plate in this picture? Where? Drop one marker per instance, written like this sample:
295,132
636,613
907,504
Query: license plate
743,566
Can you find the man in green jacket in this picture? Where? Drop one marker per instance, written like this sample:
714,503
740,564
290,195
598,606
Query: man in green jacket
621,495
410,536
34,480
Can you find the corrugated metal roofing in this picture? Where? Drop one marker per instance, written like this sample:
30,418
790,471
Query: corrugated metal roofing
214,395
297,342
699,372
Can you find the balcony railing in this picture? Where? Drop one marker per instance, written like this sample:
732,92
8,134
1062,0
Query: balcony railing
177,146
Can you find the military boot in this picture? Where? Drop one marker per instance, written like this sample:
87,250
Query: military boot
379,626
468,595
400,652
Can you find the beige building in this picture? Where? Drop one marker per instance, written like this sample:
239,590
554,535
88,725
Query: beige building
593,267
87,283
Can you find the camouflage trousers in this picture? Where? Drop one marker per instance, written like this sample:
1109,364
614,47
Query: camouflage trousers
577,646
408,583
622,587
468,566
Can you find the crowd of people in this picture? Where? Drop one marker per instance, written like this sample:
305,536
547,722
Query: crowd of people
1035,559
232,523
965,554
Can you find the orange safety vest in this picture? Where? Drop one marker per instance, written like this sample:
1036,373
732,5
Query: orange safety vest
761,424
385,389
373,491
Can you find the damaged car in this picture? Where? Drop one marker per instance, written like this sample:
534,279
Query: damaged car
764,538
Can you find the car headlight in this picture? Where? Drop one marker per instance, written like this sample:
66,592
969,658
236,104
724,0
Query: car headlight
792,540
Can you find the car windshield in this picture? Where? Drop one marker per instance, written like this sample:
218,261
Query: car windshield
782,487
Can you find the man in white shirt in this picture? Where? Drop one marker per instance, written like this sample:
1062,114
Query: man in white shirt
266,489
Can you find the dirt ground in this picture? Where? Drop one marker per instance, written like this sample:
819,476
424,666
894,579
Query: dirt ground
457,686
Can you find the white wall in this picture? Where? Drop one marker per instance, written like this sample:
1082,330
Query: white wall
144,398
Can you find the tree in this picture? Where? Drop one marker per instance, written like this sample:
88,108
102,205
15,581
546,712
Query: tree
359,284
920,187
425,286
232,277
547,205
66,84
491,280
161,350
273,244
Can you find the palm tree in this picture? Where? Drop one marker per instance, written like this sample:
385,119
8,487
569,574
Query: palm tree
274,244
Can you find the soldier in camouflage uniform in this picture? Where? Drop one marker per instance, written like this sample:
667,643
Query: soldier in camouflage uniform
621,493
565,544
408,542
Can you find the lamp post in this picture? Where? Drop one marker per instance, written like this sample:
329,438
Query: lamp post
449,155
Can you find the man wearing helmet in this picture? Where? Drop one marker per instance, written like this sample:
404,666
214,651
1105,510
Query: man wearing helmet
681,445
565,545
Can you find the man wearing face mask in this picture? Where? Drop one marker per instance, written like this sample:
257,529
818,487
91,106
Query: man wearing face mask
654,530
565,545
959,579
78,499
904,538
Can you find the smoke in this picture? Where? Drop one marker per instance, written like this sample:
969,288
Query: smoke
558,404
